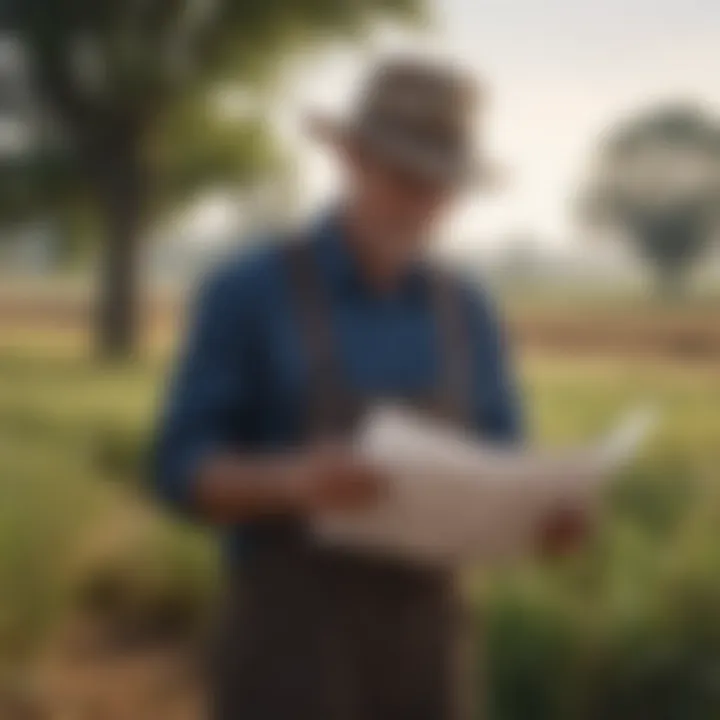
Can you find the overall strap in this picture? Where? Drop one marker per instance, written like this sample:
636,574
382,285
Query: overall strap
452,322
329,398
332,404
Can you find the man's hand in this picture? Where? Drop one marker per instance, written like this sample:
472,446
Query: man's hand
565,530
326,478
332,478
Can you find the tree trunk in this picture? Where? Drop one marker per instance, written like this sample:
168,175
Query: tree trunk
107,141
121,196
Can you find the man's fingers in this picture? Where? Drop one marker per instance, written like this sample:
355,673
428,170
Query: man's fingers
564,530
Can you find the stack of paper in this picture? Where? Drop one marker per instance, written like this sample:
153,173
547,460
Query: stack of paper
451,499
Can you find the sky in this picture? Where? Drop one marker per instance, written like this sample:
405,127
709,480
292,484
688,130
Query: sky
558,73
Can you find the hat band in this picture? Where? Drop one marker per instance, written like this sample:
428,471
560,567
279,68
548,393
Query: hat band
435,136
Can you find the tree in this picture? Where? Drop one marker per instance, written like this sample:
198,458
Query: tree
658,179
123,79
24,169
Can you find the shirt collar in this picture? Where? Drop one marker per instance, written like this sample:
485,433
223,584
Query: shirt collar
341,269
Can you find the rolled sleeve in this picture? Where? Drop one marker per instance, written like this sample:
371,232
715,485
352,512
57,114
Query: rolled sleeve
209,390
498,409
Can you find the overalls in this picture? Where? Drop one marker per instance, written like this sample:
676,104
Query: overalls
315,634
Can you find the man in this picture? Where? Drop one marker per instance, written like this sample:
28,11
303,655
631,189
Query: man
289,343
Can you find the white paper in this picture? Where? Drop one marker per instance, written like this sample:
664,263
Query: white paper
451,499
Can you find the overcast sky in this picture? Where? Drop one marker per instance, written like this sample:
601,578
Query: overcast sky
560,71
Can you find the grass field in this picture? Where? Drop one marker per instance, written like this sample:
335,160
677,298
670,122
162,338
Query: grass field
629,628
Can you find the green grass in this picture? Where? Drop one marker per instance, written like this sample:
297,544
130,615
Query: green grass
629,628
75,525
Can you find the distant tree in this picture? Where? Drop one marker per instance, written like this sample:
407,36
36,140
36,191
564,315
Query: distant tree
657,179
129,87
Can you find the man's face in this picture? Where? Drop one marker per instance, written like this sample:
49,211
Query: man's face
397,207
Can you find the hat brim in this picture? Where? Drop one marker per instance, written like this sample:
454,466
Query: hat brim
412,156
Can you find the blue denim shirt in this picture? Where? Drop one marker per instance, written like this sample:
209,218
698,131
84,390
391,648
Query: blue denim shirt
241,380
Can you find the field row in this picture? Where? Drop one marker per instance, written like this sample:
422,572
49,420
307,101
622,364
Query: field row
685,332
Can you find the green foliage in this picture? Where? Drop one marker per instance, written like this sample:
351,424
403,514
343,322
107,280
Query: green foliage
128,88
627,628
195,147
144,73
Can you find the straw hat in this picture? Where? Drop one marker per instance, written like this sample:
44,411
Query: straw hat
419,115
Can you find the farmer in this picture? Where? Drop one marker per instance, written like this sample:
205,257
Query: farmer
290,343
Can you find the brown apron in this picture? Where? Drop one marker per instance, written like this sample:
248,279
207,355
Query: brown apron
313,634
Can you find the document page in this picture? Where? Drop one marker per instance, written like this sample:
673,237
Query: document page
452,499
